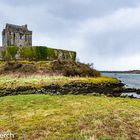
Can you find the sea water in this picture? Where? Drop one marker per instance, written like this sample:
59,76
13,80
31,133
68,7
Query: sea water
130,81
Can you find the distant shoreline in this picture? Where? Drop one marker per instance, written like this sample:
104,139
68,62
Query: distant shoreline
125,72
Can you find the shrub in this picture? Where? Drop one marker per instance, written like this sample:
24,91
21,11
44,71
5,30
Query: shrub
12,66
66,68
28,68
72,68
18,67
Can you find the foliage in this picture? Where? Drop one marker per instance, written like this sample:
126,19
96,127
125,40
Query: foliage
72,68
59,67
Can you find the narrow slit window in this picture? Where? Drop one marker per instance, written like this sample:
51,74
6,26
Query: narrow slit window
21,36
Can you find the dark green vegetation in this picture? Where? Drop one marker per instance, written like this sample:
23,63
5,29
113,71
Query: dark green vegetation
56,67
35,53
70,117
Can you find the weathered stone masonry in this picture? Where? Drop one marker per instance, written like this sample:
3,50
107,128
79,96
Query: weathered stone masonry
15,35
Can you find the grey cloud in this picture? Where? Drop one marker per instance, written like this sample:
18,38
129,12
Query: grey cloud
57,23
115,44
74,9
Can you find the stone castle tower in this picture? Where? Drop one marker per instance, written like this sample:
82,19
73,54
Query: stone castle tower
15,35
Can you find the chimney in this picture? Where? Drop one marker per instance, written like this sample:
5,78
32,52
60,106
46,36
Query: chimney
25,26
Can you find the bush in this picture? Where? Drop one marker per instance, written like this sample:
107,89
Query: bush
72,68
12,66
28,68
66,68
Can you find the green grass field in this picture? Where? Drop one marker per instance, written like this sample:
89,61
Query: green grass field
38,81
70,117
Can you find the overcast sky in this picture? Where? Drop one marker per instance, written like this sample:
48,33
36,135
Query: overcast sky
103,32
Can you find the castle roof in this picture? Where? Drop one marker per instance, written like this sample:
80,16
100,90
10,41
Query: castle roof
12,27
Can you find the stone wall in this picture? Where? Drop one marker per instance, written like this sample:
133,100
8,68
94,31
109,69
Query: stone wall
36,53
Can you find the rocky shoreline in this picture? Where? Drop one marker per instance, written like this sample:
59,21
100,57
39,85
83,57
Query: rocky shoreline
113,89
76,88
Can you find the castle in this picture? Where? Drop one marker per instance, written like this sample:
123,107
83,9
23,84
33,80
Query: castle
17,45
14,35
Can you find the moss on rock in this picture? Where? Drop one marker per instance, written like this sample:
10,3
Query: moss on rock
35,53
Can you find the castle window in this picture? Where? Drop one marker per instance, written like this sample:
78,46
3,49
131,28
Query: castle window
20,35
14,38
